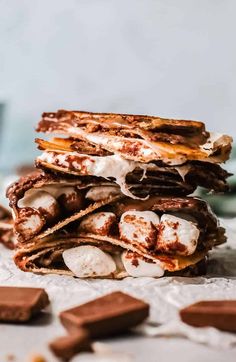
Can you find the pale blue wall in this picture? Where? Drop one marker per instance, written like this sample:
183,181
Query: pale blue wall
167,57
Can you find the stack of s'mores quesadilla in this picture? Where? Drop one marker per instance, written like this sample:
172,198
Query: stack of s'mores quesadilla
110,196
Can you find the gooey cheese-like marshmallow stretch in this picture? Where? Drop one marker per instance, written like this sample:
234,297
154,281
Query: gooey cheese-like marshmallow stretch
97,193
107,167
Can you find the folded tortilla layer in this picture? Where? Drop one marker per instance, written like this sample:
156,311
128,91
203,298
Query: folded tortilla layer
143,240
44,255
141,138
61,156
44,203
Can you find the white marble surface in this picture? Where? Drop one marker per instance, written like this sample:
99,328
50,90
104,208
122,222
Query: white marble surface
166,296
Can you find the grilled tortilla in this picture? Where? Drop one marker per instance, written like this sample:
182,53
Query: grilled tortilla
63,156
140,138
43,203
44,255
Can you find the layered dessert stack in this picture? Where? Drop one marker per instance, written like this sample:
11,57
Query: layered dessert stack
110,197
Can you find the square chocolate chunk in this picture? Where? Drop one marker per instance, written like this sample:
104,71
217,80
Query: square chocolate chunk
19,304
68,346
111,314
218,314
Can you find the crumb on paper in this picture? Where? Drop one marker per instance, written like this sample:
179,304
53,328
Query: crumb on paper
37,358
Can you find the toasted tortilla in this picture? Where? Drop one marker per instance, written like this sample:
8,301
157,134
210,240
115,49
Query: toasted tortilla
77,216
63,157
28,258
141,138
40,179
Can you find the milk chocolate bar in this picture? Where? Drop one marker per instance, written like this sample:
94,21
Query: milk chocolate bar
68,346
111,314
18,304
220,314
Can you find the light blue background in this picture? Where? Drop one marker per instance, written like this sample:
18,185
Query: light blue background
168,58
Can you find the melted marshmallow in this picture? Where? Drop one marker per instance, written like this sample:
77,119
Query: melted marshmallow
89,261
138,267
139,227
177,234
56,192
98,193
39,199
108,167
98,223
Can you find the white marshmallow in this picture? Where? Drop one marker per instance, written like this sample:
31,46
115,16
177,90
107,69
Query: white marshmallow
97,193
139,227
113,166
70,198
57,191
177,235
138,267
32,222
99,223
88,261
29,223
39,199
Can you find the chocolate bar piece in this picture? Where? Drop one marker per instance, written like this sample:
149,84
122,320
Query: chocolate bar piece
21,304
218,314
68,346
106,316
